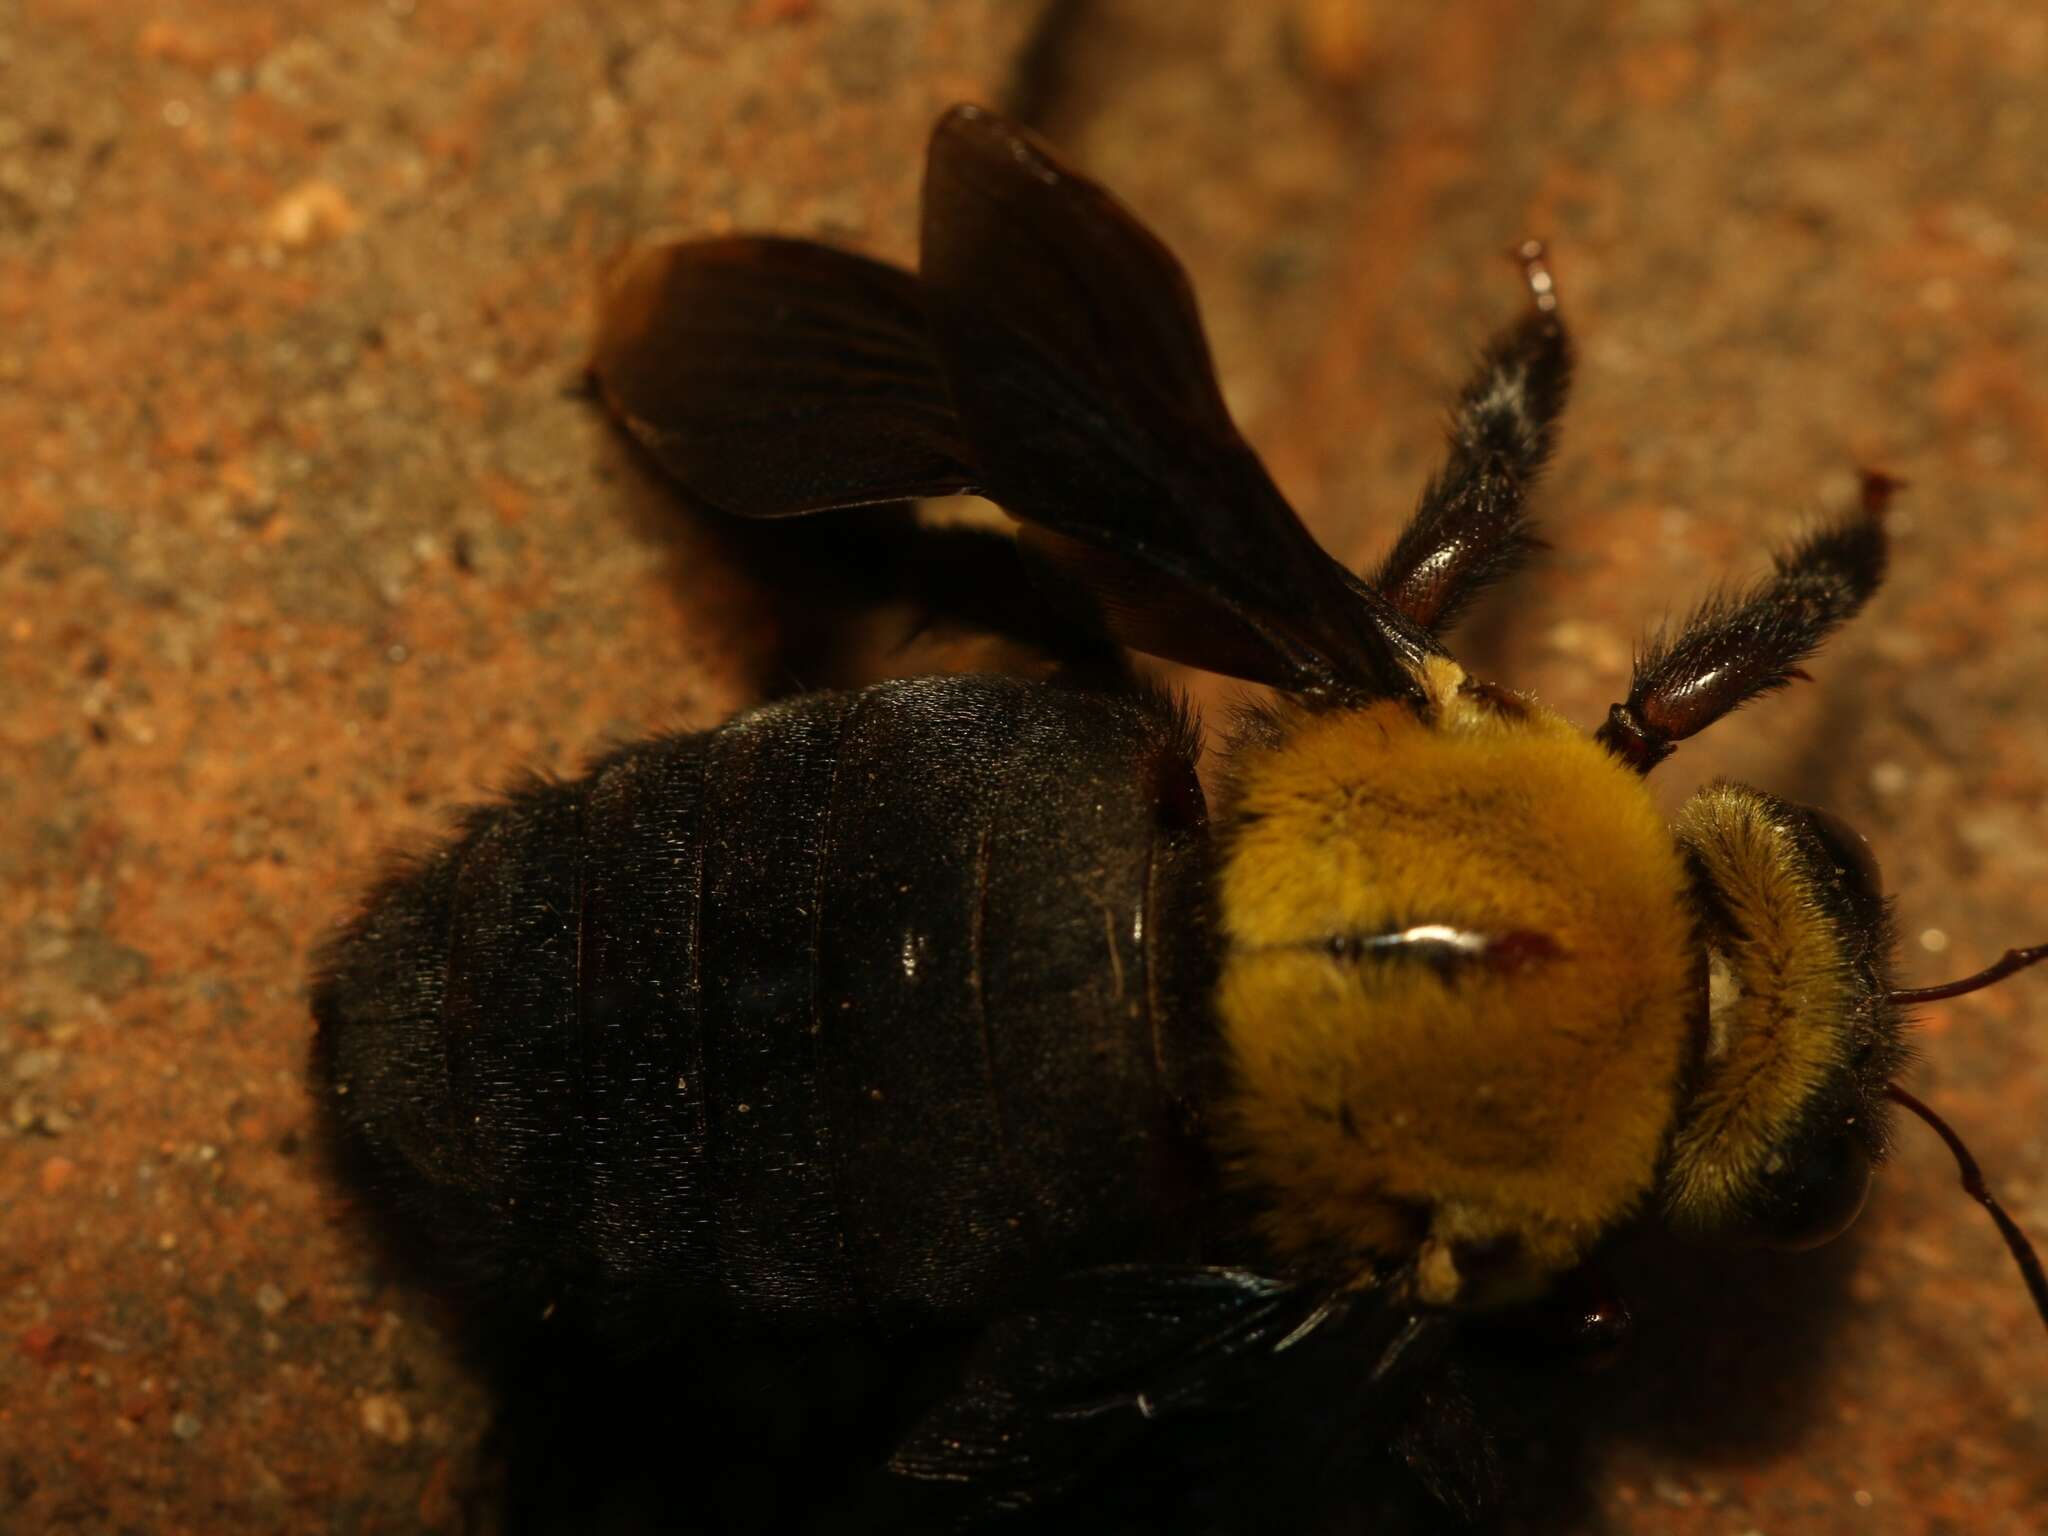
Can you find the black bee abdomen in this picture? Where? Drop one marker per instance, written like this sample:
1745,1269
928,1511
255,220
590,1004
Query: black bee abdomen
863,1004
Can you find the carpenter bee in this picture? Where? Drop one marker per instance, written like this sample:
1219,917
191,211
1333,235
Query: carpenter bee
947,1002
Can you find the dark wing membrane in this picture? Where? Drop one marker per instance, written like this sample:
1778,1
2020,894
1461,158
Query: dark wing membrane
1140,608
777,377
1076,360
1114,1363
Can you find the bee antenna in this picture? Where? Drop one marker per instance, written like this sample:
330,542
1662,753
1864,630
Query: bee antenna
1973,1177
2012,960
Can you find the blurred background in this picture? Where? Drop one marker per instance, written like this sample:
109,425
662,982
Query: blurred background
305,536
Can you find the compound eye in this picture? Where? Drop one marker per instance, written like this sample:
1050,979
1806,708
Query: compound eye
1849,851
1816,1197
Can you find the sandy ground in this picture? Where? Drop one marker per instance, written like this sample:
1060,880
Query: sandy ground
302,540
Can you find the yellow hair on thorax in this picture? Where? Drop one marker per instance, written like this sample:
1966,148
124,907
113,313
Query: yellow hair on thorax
1384,1107
1782,996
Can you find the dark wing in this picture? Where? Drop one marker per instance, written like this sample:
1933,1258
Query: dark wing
1069,338
777,377
1113,1362
1052,359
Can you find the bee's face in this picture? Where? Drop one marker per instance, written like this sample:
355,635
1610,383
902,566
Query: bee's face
1786,1113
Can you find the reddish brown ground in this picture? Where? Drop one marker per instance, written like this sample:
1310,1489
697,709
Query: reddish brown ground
301,540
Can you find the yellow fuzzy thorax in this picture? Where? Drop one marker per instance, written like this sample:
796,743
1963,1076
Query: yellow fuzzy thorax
1386,1108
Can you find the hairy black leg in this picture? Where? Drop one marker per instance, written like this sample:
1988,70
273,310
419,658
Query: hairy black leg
1470,529
1735,648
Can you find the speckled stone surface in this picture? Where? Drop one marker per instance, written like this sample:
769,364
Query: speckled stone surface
303,539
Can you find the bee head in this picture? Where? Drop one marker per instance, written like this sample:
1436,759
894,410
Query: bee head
1787,1109
1789,1104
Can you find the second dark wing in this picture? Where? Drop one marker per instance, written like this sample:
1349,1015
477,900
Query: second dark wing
777,377
1069,338
1104,1383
